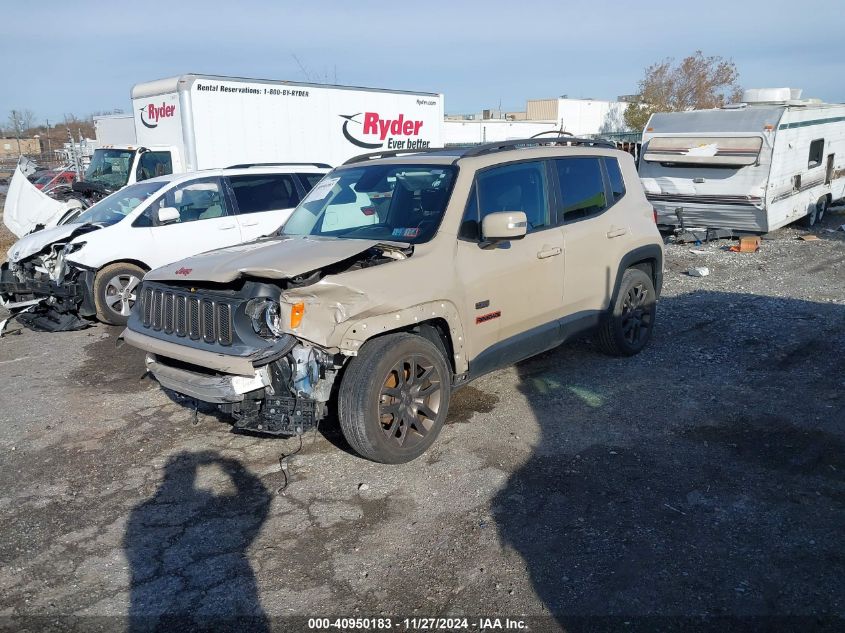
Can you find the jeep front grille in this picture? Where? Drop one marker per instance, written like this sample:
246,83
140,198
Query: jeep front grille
185,314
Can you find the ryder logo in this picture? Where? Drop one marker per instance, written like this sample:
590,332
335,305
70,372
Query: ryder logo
377,132
154,113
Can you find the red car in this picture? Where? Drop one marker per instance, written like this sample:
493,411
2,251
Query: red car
51,179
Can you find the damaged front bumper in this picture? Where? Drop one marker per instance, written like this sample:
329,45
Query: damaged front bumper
59,303
282,389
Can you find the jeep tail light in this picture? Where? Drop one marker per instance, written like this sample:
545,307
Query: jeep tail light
296,313
368,210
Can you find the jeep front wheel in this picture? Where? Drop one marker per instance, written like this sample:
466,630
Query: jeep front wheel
394,398
627,328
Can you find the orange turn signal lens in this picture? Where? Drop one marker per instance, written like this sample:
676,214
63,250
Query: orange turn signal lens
296,313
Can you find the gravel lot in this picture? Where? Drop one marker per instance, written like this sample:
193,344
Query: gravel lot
698,485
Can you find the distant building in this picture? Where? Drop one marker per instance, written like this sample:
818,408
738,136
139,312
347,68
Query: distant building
28,147
581,117
476,131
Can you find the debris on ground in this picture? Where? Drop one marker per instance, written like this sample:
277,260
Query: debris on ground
700,271
747,244
809,238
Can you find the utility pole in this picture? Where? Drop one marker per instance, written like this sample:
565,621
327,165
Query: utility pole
49,145
16,124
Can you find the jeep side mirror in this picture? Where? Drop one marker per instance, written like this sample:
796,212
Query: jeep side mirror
166,215
503,226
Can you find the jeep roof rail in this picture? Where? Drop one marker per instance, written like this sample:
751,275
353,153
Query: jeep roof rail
248,165
395,152
502,146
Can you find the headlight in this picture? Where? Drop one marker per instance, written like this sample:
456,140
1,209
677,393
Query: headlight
265,315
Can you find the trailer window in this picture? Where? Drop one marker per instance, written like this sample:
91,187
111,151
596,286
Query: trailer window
816,152
266,192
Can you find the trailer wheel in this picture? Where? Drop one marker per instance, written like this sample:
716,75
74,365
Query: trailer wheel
821,208
394,398
114,292
809,220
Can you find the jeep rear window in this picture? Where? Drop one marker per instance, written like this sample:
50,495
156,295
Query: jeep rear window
402,203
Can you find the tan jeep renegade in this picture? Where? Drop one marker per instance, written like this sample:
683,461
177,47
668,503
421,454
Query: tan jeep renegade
400,278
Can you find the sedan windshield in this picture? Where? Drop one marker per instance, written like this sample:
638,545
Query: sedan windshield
117,206
110,167
402,203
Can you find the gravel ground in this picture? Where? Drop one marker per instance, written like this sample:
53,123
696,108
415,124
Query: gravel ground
700,484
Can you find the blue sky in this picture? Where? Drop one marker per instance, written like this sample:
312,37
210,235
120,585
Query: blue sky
85,56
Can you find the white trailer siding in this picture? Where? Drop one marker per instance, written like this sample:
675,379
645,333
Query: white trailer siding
787,199
221,121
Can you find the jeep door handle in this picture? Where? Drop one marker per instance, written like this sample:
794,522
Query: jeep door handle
616,231
226,227
549,252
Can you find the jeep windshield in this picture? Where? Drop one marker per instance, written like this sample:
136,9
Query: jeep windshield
402,203
114,208
110,167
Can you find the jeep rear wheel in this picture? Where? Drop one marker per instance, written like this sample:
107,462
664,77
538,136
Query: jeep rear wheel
394,398
115,293
627,329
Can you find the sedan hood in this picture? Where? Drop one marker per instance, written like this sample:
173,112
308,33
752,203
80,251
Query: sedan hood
271,258
26,206
36,242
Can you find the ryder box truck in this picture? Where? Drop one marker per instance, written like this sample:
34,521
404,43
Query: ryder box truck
215,121
193,122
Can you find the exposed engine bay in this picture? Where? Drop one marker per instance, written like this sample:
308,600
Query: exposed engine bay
62,290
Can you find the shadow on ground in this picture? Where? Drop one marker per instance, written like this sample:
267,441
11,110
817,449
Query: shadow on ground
187,545
687,486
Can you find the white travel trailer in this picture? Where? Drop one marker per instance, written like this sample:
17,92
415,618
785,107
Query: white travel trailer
754,166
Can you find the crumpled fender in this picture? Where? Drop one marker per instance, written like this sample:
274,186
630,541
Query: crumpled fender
354,317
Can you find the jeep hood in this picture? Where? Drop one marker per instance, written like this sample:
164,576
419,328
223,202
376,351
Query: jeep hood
279,257
27,206
38,241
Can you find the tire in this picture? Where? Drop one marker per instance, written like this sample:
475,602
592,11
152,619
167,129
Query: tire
114,293
821,209
380,412
810,220
627,329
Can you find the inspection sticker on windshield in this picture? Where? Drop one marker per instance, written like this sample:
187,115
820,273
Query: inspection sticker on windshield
322,189
406,232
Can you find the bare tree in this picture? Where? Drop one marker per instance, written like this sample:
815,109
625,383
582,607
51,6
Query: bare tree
696,82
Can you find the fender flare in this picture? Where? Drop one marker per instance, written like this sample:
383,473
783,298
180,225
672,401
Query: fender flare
642,253
360,331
